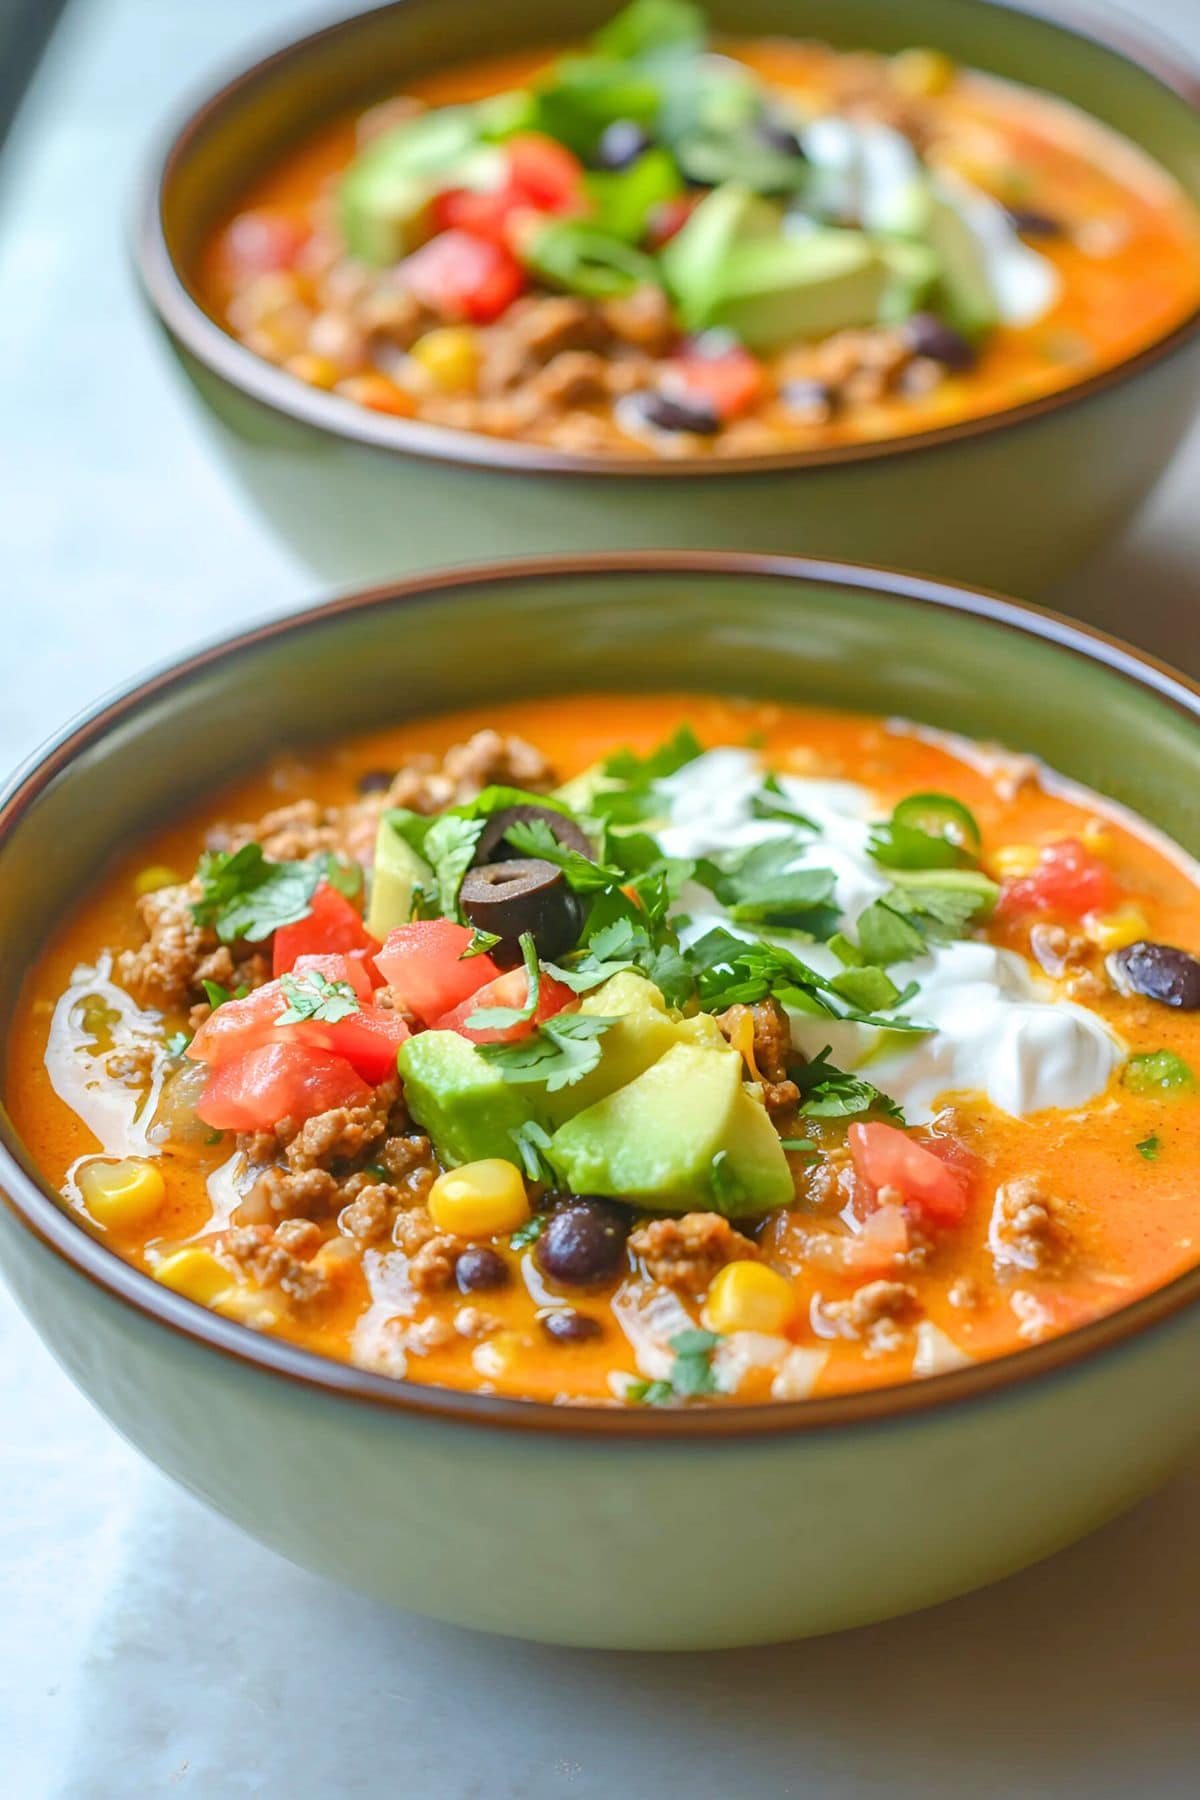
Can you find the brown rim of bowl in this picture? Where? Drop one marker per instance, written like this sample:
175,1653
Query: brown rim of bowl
39,1211
193,328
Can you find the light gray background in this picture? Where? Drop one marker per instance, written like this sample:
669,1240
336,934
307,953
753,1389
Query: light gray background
146,1647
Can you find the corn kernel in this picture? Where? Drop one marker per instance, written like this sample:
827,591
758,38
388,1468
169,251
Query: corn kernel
748,1296
195,1273
1096,837
318,371
158,875
1113,930
247,1306
120,1195
922,73
1015,859
449,356
482,1199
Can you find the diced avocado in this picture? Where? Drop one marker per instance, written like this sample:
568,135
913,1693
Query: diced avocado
774,291
693,263
397,871
684,1134
385,197
912,274
965,292
469,1110
644,1031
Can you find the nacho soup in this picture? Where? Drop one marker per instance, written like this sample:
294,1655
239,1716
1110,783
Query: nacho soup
654,247
634,1051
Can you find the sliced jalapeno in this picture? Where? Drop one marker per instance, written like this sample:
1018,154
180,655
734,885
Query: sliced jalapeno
940,816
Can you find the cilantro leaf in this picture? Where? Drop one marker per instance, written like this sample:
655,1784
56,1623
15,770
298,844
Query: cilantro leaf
346,876
828,1092
634,799
244,896
558,1054
531,1231
533,1144
481,942
917,912
177,1043
1149,1147
771,802
691,1372
500,1018
867,988
311,995
533,837
762,886
217,994
448,848
804,1146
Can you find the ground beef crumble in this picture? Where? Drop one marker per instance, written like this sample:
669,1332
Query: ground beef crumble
1028,1228
876,1314
772,1047
686,1253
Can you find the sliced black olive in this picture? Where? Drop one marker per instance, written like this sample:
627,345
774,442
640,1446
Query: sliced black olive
494,847
1159,972
621,144
522,895
584,1242
672,412
1034,224
929,336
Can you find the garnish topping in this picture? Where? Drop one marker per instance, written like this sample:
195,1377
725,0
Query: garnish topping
312,996
558,1054
245,896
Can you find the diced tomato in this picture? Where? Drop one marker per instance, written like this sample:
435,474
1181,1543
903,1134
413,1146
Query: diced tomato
730,381
461,276
333,927
1067,880
541,175
258,243
919,1172
511,989
368,1039
548,174
241,1025
278,1081
424,963
669,217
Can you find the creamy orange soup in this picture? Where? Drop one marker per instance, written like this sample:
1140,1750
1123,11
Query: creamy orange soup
1026,248
999,1146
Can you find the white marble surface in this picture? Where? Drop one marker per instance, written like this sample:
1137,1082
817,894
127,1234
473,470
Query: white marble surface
145,1646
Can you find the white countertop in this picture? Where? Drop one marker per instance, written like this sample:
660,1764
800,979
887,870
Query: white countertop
146,1647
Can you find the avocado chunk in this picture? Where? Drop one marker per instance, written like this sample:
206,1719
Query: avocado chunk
644,1031
693,263
777,290
966,300
385,197
396,873
912,274
686,1133
469,1110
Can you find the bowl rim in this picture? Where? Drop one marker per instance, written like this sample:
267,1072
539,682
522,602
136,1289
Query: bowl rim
33,1205
286,396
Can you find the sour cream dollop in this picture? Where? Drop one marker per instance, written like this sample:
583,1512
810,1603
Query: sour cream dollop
998,1028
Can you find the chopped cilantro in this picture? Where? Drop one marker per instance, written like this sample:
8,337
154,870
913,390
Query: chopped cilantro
533,837
800,1146
448,848
1149,1147
501,1018
828,1092
530,1232
634,798
558,1054
729,971
481,942
762,886
691,1373
923,910
533,1143
626,944
650,1393
1158,1072
346,877
177,1043
244,896
217,995
868,988
311,995
771,802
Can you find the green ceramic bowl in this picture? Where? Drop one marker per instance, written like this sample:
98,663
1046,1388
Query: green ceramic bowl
1013,500
554,1523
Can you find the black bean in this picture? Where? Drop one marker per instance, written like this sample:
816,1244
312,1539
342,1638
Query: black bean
781,137
1159,972
1034,224
929,336
584,1241
812,399
672,412
479,1269
621,143
375,781
571,1327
